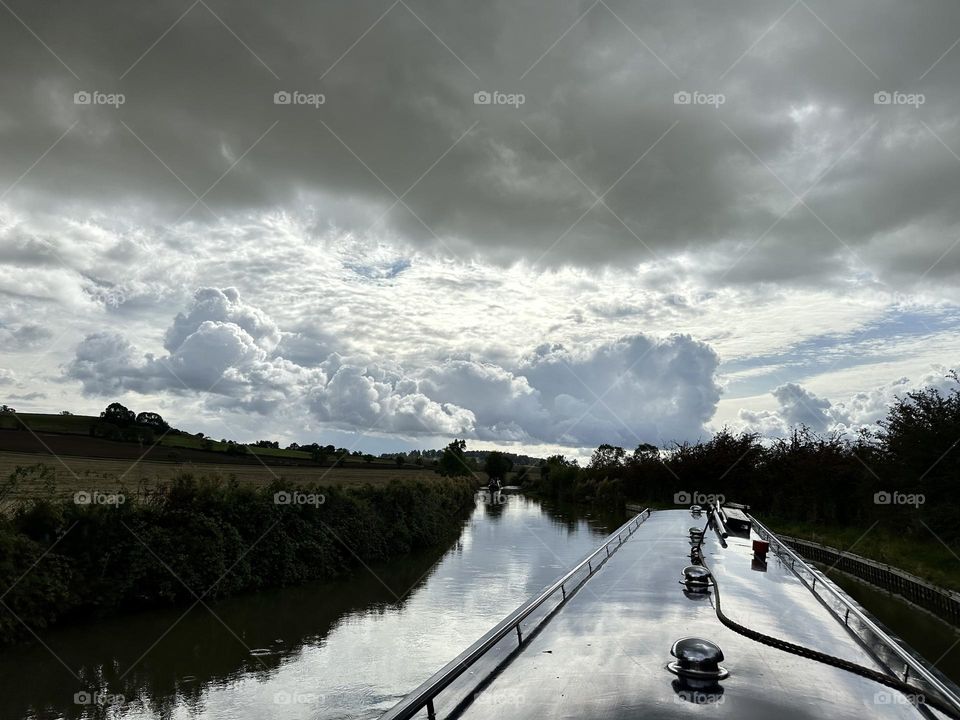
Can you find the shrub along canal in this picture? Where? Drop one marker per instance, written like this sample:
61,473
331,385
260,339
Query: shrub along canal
343,649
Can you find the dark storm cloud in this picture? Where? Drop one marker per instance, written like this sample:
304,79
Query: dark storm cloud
798,171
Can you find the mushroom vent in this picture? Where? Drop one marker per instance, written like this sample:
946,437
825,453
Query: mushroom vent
696,510
696,534
698,659
696,578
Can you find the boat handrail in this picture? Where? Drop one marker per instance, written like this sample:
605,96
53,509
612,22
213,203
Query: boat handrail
424,695
912,665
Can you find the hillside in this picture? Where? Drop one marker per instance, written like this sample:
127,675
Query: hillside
91,436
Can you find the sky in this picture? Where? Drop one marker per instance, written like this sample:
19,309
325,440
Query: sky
540,226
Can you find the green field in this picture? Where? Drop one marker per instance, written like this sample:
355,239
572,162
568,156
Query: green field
81,424
70,424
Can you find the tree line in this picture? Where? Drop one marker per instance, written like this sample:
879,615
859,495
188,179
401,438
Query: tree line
905,470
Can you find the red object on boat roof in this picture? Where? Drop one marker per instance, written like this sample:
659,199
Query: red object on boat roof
760,548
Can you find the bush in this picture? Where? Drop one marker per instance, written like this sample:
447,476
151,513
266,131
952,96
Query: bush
219,539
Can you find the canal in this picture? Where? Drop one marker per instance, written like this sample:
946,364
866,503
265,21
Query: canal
346,649
937,642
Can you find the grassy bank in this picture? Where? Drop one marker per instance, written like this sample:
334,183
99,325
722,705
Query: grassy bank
925,557
200,538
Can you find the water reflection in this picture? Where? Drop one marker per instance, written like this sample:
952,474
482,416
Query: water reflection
349,648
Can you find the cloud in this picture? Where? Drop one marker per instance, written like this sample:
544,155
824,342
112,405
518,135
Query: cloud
220,345
223,307
635,389
502,182
866,408
355,399
433,243
505,405
802,407
29,396
107,364
23,337
798,406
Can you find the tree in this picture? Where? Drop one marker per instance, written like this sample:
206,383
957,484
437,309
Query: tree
453,463
66,412
558,475
368,458
235,448
920,451
400,460
646,451
6,409
153,421
497,465
607,456
118,415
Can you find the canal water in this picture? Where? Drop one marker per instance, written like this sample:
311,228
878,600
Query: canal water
345,649
938,642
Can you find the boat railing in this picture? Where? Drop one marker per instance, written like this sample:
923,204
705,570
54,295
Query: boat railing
897,658
425,696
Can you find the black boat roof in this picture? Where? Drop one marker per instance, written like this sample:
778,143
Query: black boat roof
603,651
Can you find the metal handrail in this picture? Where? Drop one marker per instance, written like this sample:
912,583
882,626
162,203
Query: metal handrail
424,695
911,662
